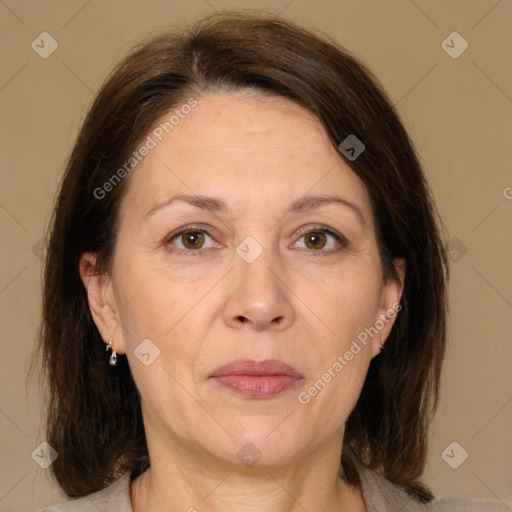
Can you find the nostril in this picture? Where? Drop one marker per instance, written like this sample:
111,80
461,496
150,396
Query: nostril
241,318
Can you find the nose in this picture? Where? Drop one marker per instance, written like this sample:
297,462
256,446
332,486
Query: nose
258,296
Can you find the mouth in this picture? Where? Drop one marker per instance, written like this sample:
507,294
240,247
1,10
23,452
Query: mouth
253,379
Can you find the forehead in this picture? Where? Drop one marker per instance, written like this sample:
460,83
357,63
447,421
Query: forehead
247,147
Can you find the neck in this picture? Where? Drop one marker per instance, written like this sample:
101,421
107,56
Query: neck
184,479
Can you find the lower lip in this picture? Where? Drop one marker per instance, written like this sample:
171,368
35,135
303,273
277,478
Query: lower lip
257,386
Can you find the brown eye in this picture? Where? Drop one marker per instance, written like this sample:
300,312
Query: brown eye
315,239
192,239
321,240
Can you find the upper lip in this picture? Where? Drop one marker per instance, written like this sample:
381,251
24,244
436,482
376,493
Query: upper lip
255,368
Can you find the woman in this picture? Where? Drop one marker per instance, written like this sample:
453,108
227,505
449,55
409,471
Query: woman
244,224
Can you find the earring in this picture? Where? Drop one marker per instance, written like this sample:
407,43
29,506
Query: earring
380,342
113,356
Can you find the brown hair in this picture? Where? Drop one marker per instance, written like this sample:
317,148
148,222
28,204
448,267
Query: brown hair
94,415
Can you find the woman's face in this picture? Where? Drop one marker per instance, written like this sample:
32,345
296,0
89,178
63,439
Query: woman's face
269,254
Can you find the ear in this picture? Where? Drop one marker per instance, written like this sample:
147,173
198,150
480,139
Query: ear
102,303
389,306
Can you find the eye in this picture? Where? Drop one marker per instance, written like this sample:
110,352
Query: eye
321,239
190,240
194,241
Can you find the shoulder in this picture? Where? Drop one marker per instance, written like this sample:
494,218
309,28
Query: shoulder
461,504
381,495
114,498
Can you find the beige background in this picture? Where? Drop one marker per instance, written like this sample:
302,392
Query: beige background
458,112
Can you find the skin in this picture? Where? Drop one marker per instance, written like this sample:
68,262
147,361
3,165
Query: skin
301,303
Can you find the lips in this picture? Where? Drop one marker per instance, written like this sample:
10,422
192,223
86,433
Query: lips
257,379
255,368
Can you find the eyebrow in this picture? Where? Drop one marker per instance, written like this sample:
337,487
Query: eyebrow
303,204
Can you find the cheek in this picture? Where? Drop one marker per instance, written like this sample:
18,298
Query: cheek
147,307
172,313
333,390
156,318
348,302
344,300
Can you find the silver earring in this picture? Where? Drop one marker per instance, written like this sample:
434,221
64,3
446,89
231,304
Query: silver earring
113,356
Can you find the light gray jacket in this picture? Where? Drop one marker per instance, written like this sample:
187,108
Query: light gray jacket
380,495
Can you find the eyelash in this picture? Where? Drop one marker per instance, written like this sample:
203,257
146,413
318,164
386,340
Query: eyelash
310,229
